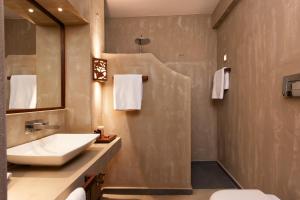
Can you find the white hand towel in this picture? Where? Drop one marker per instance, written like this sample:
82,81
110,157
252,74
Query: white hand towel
226,79
218,85
128,92
8,175
23,92
78,194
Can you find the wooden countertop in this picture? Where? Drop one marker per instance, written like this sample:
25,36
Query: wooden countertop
49,183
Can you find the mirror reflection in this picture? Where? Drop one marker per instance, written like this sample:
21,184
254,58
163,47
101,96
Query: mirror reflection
32,57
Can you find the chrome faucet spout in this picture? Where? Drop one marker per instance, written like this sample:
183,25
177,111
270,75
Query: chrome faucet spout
37,125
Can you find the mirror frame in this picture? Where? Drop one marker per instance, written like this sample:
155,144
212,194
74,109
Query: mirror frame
62,47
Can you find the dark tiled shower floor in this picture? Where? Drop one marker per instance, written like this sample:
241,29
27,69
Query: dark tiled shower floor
209,175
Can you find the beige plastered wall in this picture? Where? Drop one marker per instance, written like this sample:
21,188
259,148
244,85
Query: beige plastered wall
48,66
156,141
258,127
3,184
83,96
188,45
15,125
78,79
20,37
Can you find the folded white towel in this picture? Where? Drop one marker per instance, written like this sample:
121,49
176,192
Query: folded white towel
218,85
221,83
128,92
23,92
78,194
226,79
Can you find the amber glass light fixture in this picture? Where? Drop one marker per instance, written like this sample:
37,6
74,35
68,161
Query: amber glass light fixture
99,69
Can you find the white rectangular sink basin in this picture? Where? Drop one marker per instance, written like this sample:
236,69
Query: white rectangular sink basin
54,150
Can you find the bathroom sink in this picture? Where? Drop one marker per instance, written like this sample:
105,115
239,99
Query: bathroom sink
54,150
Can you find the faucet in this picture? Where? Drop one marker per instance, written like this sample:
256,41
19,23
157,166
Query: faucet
37,125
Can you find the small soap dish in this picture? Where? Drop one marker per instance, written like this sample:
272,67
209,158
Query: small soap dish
106,138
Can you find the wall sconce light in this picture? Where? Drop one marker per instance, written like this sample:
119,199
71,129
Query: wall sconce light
99,69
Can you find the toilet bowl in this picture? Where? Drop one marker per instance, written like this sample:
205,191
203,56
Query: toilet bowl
242,195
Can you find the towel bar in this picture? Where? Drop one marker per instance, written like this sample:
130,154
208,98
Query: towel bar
8,78
145,78
228,69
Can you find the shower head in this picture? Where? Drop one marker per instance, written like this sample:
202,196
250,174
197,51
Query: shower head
141,41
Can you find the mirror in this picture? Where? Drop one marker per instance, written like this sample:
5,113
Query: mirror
34,57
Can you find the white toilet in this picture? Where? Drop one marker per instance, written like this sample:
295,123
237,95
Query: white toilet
242,195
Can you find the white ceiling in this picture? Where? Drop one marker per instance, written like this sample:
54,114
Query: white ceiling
138,8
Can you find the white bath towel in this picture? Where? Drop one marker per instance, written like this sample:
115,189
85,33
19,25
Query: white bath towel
23,92
128,92
221,83
78,194
226,79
